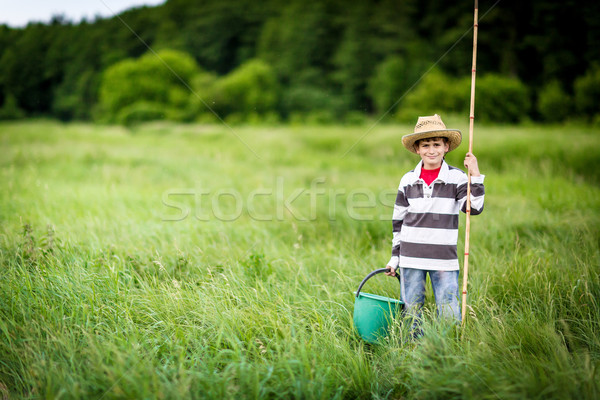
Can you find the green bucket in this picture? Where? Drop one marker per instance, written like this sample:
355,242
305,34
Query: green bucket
373,313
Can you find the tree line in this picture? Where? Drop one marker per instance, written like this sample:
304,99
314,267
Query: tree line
309,60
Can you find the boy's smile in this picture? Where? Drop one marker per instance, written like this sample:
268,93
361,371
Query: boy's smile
432,152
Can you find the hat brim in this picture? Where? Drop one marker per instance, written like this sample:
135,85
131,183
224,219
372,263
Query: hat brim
454,138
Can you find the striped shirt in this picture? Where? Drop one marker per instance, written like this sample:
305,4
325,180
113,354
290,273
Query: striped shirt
425,219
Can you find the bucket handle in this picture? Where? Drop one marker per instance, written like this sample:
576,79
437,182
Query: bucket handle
377,271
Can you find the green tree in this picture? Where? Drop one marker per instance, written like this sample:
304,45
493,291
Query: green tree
251,88
354,59
202,102
435,93
158,79
76,96
25,71
501,99
301,37
587,93
77,92
391,81
220,34
553,103
373,33
10,109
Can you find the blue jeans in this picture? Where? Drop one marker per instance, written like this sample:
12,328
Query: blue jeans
445,289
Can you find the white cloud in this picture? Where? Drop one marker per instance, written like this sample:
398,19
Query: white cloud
18,13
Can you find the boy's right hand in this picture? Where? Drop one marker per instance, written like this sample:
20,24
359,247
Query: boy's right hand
391,271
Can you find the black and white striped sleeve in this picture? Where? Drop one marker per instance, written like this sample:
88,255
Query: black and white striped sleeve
400,209
477,194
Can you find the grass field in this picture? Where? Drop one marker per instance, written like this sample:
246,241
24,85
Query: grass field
186,261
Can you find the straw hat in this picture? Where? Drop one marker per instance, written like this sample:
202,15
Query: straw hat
428,127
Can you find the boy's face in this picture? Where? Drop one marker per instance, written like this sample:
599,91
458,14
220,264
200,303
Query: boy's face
432,152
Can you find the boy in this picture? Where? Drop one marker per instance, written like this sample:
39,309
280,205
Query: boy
425,219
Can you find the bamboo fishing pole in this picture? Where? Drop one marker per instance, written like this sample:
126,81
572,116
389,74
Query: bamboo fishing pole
468,203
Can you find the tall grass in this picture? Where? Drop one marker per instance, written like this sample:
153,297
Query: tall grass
108,292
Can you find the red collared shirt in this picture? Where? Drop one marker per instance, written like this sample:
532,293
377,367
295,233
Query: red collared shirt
430,175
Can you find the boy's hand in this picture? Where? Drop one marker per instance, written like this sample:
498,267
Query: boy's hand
471,164
391,271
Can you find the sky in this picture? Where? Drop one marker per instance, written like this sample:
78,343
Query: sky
17,13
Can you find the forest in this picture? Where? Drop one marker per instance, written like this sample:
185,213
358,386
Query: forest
240,60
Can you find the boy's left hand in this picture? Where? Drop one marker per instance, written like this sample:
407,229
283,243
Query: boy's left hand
471,164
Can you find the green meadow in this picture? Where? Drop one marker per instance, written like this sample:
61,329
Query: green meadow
212,262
